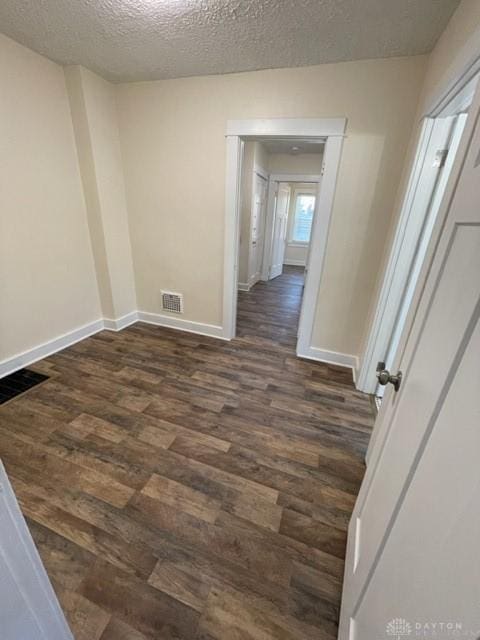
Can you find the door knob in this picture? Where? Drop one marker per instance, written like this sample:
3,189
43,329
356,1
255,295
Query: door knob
384,376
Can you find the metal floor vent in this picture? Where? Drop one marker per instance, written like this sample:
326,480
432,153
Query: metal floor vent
172,302
19,382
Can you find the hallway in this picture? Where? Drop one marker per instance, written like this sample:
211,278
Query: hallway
271,309
179,486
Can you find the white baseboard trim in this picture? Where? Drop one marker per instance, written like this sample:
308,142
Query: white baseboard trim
48,348
330,357
212,330
295,263
246,286
120,323
10,365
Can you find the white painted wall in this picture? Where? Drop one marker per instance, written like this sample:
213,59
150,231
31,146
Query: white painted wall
306,163
173,128
94,114
47,276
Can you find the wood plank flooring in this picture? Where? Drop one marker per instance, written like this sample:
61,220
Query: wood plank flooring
182,487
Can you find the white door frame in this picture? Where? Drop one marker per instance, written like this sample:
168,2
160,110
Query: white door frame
396,274
329,130
273,178
456,98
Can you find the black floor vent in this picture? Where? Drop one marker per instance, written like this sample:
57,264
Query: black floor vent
19,382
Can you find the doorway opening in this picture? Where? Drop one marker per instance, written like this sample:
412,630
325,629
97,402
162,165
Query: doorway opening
436,151
280,182
330,133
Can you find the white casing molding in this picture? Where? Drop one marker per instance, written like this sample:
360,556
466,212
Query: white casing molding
213,330
318,241
329,130
289,127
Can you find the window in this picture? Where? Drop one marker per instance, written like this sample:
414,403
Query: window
302,218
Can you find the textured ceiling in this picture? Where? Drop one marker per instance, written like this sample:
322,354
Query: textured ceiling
145,39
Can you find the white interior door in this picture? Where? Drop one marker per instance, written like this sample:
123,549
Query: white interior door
280,229
29,609
412,556
257,235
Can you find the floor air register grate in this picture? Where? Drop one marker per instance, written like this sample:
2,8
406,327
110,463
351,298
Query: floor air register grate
19,382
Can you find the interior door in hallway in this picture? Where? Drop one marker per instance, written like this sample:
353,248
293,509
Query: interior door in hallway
412,556
257,228
280,229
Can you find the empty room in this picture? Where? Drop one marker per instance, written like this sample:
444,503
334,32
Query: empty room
239,319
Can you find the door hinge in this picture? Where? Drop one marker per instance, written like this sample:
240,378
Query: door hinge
440,158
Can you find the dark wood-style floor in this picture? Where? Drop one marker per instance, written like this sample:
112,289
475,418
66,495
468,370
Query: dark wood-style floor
184,487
